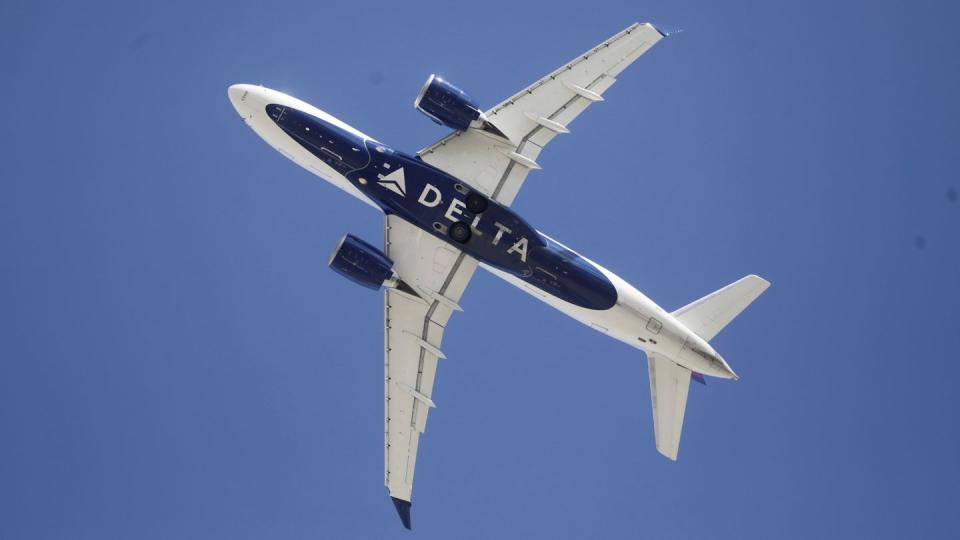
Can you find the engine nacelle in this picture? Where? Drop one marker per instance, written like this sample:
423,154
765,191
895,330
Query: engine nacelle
446,104
362,263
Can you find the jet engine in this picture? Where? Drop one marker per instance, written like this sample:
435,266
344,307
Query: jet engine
446,104
362,263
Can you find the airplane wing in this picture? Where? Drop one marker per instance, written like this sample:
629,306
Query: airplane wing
497,165
669,383
413,330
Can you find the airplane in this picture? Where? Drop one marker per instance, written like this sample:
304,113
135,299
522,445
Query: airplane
447,211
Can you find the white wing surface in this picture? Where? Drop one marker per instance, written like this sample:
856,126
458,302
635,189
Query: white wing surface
669,383
496,160
413,330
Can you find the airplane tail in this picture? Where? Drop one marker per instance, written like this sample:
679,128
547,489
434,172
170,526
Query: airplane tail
669,381
710,314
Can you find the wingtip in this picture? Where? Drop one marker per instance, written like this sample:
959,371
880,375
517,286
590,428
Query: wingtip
665,30
403,509
758,280
668,453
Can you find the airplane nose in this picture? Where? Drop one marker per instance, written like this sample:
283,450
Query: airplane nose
235,93
242,100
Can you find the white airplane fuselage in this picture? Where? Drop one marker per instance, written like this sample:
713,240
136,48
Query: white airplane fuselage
502,242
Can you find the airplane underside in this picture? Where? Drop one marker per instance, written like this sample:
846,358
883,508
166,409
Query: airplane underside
447,211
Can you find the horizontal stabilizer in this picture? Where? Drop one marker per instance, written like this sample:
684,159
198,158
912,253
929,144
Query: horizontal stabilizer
707,316
669,384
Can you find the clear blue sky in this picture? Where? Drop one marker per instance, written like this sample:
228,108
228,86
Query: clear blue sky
176,361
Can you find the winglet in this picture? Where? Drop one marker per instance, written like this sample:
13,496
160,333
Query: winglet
665,30
403,508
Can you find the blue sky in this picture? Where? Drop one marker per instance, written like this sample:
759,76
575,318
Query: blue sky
176,361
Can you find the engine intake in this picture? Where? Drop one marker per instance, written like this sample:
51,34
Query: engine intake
446,104
362,263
